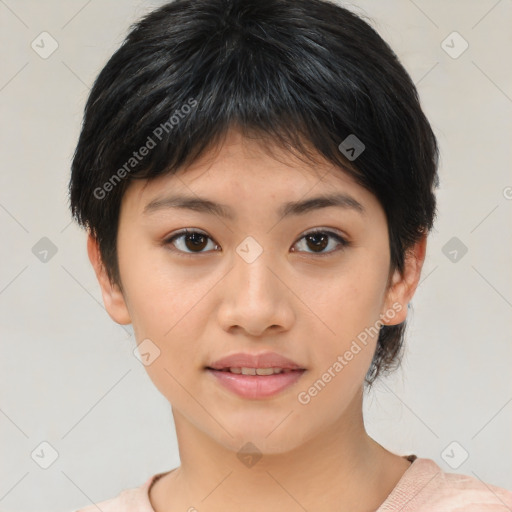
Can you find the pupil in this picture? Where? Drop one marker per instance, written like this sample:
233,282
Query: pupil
197,240
322,244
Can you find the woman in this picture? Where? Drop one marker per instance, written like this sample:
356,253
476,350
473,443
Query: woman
257,178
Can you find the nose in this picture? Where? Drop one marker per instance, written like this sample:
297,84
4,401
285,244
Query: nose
255,298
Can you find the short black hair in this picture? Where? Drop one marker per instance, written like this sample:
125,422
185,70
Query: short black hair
305,75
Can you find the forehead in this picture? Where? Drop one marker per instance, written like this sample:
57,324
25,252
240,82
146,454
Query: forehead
245,171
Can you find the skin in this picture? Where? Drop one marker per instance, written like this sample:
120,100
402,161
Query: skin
305,305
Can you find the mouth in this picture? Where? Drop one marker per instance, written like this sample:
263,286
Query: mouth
255,371
256,383
255,376
247,363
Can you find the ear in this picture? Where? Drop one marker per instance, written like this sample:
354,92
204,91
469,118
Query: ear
112,296
402,287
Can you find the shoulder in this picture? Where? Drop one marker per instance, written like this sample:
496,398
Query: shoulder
125,501
426,487
473,494
128,500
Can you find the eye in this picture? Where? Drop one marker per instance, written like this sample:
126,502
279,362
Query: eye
318,239
188,242
188,239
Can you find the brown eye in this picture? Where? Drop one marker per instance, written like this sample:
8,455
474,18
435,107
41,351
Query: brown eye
319,240
196,241
189,242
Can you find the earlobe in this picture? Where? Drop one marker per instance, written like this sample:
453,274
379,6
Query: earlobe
403,287
112,296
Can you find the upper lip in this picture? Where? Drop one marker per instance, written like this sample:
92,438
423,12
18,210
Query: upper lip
263,360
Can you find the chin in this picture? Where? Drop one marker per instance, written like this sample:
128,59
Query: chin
271,437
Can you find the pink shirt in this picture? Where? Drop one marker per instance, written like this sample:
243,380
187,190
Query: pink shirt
424,487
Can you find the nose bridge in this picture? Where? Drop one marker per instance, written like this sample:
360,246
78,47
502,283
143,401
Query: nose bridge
254,298
253,276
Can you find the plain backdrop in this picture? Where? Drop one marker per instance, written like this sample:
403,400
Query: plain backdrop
69,378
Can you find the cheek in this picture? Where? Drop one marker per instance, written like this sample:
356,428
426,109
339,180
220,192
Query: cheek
162,294
343,343
345,312
171,305
347,302
164,302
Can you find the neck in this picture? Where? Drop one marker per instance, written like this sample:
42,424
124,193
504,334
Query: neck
341,468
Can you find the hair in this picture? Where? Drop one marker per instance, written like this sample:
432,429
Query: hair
302,75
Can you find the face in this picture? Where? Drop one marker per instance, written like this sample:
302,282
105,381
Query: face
255,282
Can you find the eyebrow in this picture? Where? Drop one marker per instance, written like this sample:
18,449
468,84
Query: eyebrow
293,208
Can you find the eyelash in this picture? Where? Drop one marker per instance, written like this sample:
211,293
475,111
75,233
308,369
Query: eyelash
343,243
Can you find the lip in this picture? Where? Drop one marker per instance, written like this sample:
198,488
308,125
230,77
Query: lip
255,386
262,360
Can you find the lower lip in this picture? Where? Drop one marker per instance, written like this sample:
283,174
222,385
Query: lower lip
256,386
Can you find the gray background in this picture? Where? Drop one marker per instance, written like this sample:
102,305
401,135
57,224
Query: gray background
68,373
